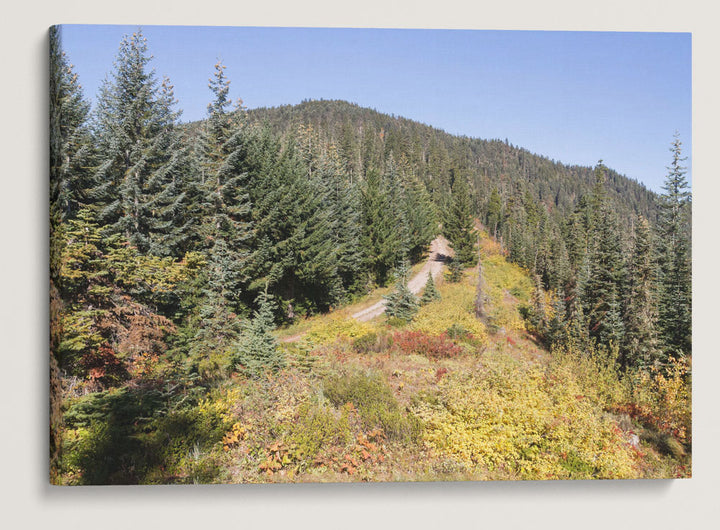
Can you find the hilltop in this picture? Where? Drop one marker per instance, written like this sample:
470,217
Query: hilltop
364,137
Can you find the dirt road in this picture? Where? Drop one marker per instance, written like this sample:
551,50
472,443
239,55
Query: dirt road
439,252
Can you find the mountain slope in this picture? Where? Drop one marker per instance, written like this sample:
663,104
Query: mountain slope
365,137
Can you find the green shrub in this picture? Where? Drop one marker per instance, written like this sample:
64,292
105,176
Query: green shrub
375,403
317,427
372,343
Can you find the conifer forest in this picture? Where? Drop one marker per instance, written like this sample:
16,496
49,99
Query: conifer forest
325,293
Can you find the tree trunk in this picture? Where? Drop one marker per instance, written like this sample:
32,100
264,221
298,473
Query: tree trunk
480,293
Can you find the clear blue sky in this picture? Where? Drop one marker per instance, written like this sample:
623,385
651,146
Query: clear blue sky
576,97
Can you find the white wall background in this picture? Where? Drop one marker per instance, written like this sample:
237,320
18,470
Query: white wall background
27,500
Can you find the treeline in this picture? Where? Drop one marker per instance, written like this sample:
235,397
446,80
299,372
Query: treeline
628,288
613,256
173,239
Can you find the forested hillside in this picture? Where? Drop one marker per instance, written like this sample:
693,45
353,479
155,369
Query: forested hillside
204,278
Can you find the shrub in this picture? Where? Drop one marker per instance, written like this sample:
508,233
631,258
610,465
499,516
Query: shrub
372,343
513,420
433,346
375,403
318,426
327,330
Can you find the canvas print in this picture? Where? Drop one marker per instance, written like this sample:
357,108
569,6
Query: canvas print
338,255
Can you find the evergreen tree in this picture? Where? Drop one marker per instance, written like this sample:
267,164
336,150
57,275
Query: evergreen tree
458,226
640,347
494,213
675,287
342,202
557,328
71,151
430,293
223,225
401,303
142,165
601,294
383,236
455,271
417,210
256,351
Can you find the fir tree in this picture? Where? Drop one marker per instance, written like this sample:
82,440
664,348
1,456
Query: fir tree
601,294
494,213
458,223
455,271
640,347
401,303
71,150
557,328
138,179
256,351
430,293
382,234
223,225
675,296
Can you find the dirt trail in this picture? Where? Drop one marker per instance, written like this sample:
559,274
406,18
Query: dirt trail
439,252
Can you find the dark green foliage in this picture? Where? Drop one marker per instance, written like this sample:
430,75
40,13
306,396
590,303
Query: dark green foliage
557,328
494,213
136,436
143,166
675,291
430,293
602,293
640,347
223,230
71,149
401,303
256,351
455,271
458,223
384,236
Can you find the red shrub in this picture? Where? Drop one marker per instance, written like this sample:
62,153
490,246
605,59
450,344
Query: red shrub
433,346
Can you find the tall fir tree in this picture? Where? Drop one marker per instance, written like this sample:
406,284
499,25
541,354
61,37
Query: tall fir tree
675,284
640,347
223,225
458,225
142,163
602,298
71,148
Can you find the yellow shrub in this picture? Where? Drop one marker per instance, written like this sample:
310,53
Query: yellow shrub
516,421
326,330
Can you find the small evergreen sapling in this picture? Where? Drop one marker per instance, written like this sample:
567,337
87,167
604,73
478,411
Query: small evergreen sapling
455,271
430,293
257,350
402,303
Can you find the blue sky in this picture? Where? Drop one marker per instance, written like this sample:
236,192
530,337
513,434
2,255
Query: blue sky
576,97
